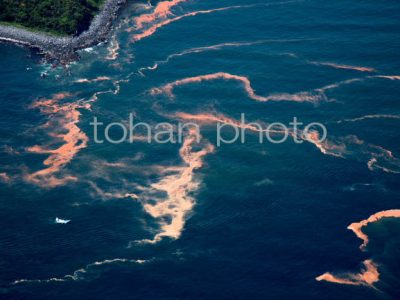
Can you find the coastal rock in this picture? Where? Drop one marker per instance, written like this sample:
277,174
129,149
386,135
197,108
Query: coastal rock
63,49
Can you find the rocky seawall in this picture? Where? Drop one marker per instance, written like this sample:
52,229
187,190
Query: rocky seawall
63,49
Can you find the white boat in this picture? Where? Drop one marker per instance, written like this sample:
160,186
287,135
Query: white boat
62,221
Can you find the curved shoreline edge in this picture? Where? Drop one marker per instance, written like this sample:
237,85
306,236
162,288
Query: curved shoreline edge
63,49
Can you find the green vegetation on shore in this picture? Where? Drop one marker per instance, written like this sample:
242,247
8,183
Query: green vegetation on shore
68,17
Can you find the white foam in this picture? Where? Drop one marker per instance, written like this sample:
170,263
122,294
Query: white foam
83,273
212,48
342,66
369,117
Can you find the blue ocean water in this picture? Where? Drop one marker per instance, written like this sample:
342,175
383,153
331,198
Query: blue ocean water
193,220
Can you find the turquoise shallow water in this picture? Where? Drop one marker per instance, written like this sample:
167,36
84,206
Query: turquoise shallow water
192,220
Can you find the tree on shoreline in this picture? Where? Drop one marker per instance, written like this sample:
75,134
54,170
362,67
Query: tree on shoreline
69,17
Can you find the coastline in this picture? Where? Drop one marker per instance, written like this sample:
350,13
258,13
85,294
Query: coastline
62,50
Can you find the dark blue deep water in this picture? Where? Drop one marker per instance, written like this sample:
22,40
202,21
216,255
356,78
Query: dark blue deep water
193,220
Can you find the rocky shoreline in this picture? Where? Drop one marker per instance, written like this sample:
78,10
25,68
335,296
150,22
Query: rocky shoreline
62,50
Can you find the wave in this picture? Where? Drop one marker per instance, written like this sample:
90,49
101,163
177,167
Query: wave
352,80
241,44
341,66
365,187
340,83
367,277
390,77
368,117
4,177
97,79
212,48
83,273
173,209
357,227
311,97
65,117
10,150
334,65
264,182
113,49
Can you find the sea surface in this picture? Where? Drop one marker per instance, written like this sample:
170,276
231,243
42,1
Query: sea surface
197,220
